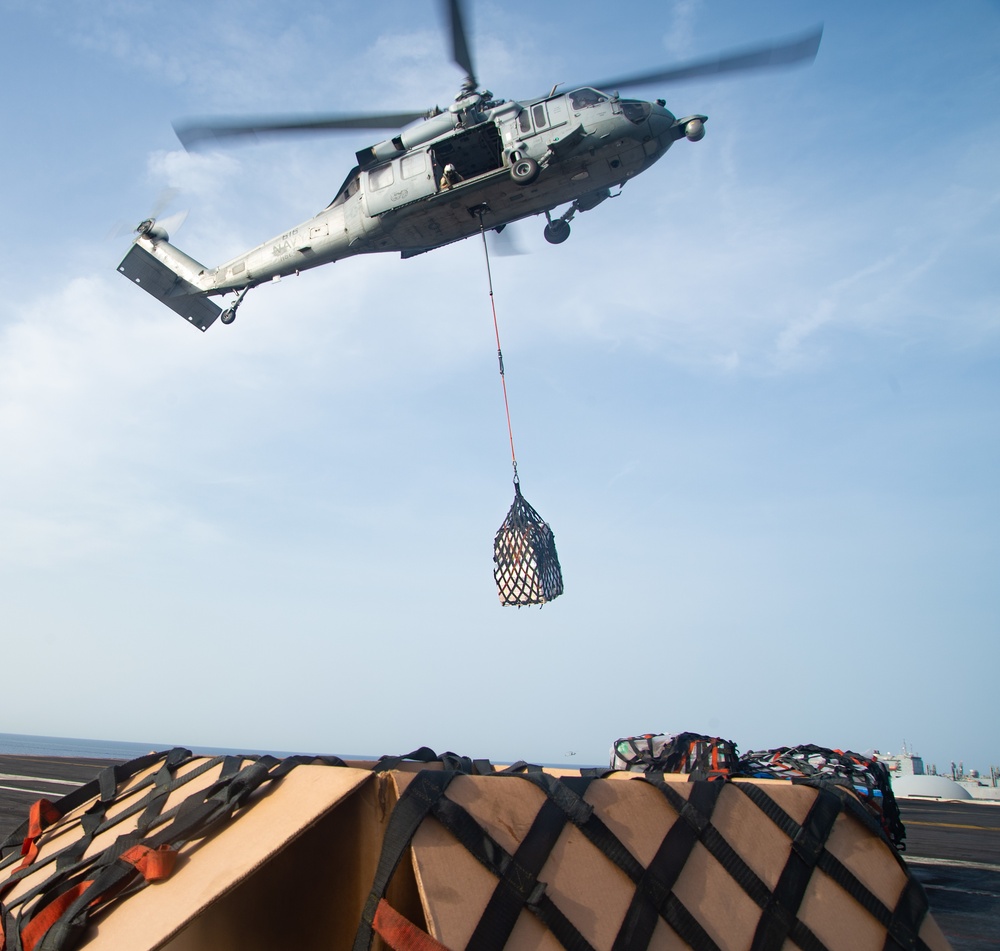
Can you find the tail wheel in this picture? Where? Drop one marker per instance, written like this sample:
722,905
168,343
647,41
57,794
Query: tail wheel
524,171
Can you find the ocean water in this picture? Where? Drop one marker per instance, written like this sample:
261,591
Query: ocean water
17,744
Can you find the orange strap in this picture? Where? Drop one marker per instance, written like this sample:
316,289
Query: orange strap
42,815
48,916
152,864
400,933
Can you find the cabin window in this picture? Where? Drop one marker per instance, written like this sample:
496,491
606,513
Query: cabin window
539,116
413,165
380,177
524,122
636,112
582,98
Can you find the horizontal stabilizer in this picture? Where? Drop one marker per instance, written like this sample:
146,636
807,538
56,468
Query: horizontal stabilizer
155,277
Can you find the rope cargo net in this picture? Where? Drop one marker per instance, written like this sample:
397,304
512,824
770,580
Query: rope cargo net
526,566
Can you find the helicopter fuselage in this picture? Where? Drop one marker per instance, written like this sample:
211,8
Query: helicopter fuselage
506,161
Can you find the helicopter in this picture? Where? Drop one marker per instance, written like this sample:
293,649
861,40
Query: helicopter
445,175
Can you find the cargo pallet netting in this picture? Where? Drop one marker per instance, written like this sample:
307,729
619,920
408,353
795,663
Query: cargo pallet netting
427,852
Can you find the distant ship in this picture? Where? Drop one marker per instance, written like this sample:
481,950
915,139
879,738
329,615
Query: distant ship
911,781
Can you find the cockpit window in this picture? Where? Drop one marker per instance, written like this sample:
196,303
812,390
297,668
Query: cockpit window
350,188
581,98
635,111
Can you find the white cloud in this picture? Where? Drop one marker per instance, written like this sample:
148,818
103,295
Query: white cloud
698,382
679,40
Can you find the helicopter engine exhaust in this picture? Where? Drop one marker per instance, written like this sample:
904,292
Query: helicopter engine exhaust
398,145
694,130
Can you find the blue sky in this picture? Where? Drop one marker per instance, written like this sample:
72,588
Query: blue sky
756,396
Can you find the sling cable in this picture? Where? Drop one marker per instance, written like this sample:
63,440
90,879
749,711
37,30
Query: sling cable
525,563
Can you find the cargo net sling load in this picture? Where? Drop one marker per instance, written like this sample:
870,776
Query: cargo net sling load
526,566
525,563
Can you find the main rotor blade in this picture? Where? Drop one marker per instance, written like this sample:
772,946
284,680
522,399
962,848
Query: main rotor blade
771,55
195,133
460,41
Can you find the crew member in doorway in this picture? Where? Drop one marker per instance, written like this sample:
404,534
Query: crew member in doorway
449,177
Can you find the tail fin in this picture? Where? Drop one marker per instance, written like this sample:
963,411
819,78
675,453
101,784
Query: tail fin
156,277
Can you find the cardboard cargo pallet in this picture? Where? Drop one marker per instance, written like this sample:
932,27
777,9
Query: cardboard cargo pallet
183,852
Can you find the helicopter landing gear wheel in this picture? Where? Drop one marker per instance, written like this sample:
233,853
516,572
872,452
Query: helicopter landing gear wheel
524,171
229,314
556,231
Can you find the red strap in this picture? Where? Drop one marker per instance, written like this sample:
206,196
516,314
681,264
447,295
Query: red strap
49,915
400,933
42,815
152,864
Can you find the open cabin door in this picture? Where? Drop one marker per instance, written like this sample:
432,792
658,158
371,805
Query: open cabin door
399,182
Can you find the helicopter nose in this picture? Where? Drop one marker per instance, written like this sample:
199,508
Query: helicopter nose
660,121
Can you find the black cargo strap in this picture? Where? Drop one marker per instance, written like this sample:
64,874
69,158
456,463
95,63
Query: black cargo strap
808,845
424,791
521,766
70,860
518,886
654,897
710,837
844,788
819,766
910,910
808,852
450,762
108,779
194,817
100,877
95,821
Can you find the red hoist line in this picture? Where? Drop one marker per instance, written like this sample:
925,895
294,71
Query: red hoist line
525,563
496,331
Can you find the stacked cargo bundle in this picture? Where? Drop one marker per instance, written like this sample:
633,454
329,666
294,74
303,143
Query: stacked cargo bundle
820,766
697,755
429,853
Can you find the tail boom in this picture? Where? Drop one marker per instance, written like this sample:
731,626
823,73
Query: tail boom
172,278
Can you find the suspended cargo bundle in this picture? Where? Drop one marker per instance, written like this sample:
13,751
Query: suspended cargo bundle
817,765
526,566
525,563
